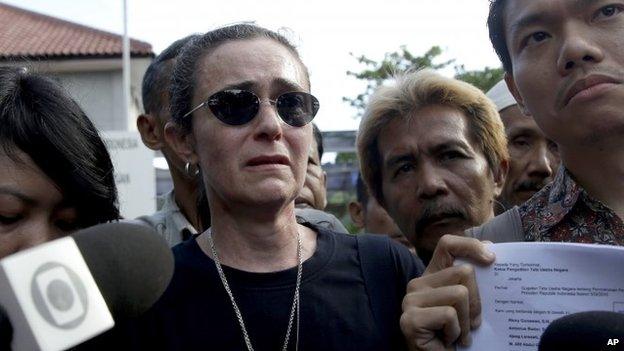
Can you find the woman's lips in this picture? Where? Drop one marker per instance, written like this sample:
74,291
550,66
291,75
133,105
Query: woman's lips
261,163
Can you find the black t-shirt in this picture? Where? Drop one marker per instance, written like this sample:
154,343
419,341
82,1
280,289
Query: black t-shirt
196,313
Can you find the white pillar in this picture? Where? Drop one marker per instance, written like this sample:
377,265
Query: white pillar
126,67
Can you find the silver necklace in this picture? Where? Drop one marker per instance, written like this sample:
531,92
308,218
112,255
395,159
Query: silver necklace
239,316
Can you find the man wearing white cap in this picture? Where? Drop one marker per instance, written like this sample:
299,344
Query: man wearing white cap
534,159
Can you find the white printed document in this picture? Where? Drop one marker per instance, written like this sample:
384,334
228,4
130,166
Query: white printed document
532,284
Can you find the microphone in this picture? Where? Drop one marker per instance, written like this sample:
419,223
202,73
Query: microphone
63,292
593,330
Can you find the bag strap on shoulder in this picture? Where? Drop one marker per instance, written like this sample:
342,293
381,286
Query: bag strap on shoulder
379,272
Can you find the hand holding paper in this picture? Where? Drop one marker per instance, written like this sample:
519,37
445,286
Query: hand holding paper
443,305
532,284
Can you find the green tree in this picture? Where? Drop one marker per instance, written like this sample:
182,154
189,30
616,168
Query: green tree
376,73
483,79
346,157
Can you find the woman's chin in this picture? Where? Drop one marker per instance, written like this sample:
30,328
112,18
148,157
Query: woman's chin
276,194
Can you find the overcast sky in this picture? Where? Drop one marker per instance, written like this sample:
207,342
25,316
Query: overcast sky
326,32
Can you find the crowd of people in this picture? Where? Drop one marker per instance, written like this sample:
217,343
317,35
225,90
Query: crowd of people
444,167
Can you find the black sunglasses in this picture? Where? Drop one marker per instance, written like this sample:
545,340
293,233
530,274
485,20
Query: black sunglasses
236,107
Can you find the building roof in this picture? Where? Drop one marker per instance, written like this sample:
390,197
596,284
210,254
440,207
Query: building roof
27,35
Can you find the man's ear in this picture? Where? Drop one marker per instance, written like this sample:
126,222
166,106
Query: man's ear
500,174
356,211
511,85
182,143
151,131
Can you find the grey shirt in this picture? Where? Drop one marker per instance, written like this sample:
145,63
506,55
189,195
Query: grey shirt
321,219
506,227
169,221
173,226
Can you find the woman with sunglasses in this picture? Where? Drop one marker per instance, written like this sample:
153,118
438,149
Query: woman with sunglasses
56,175
257,279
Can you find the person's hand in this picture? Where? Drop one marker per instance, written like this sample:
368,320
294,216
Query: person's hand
441,307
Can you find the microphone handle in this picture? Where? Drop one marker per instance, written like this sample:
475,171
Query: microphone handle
6,331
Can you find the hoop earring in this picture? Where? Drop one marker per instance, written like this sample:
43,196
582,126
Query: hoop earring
187,170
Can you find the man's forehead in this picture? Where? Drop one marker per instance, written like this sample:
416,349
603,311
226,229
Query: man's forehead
513,115
522,125
521,13
404,137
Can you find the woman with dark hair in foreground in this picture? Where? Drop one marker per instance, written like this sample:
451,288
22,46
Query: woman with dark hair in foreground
56,175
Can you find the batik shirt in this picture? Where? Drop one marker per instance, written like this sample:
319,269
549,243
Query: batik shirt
563,211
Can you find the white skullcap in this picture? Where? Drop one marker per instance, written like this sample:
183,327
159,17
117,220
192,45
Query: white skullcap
501,96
